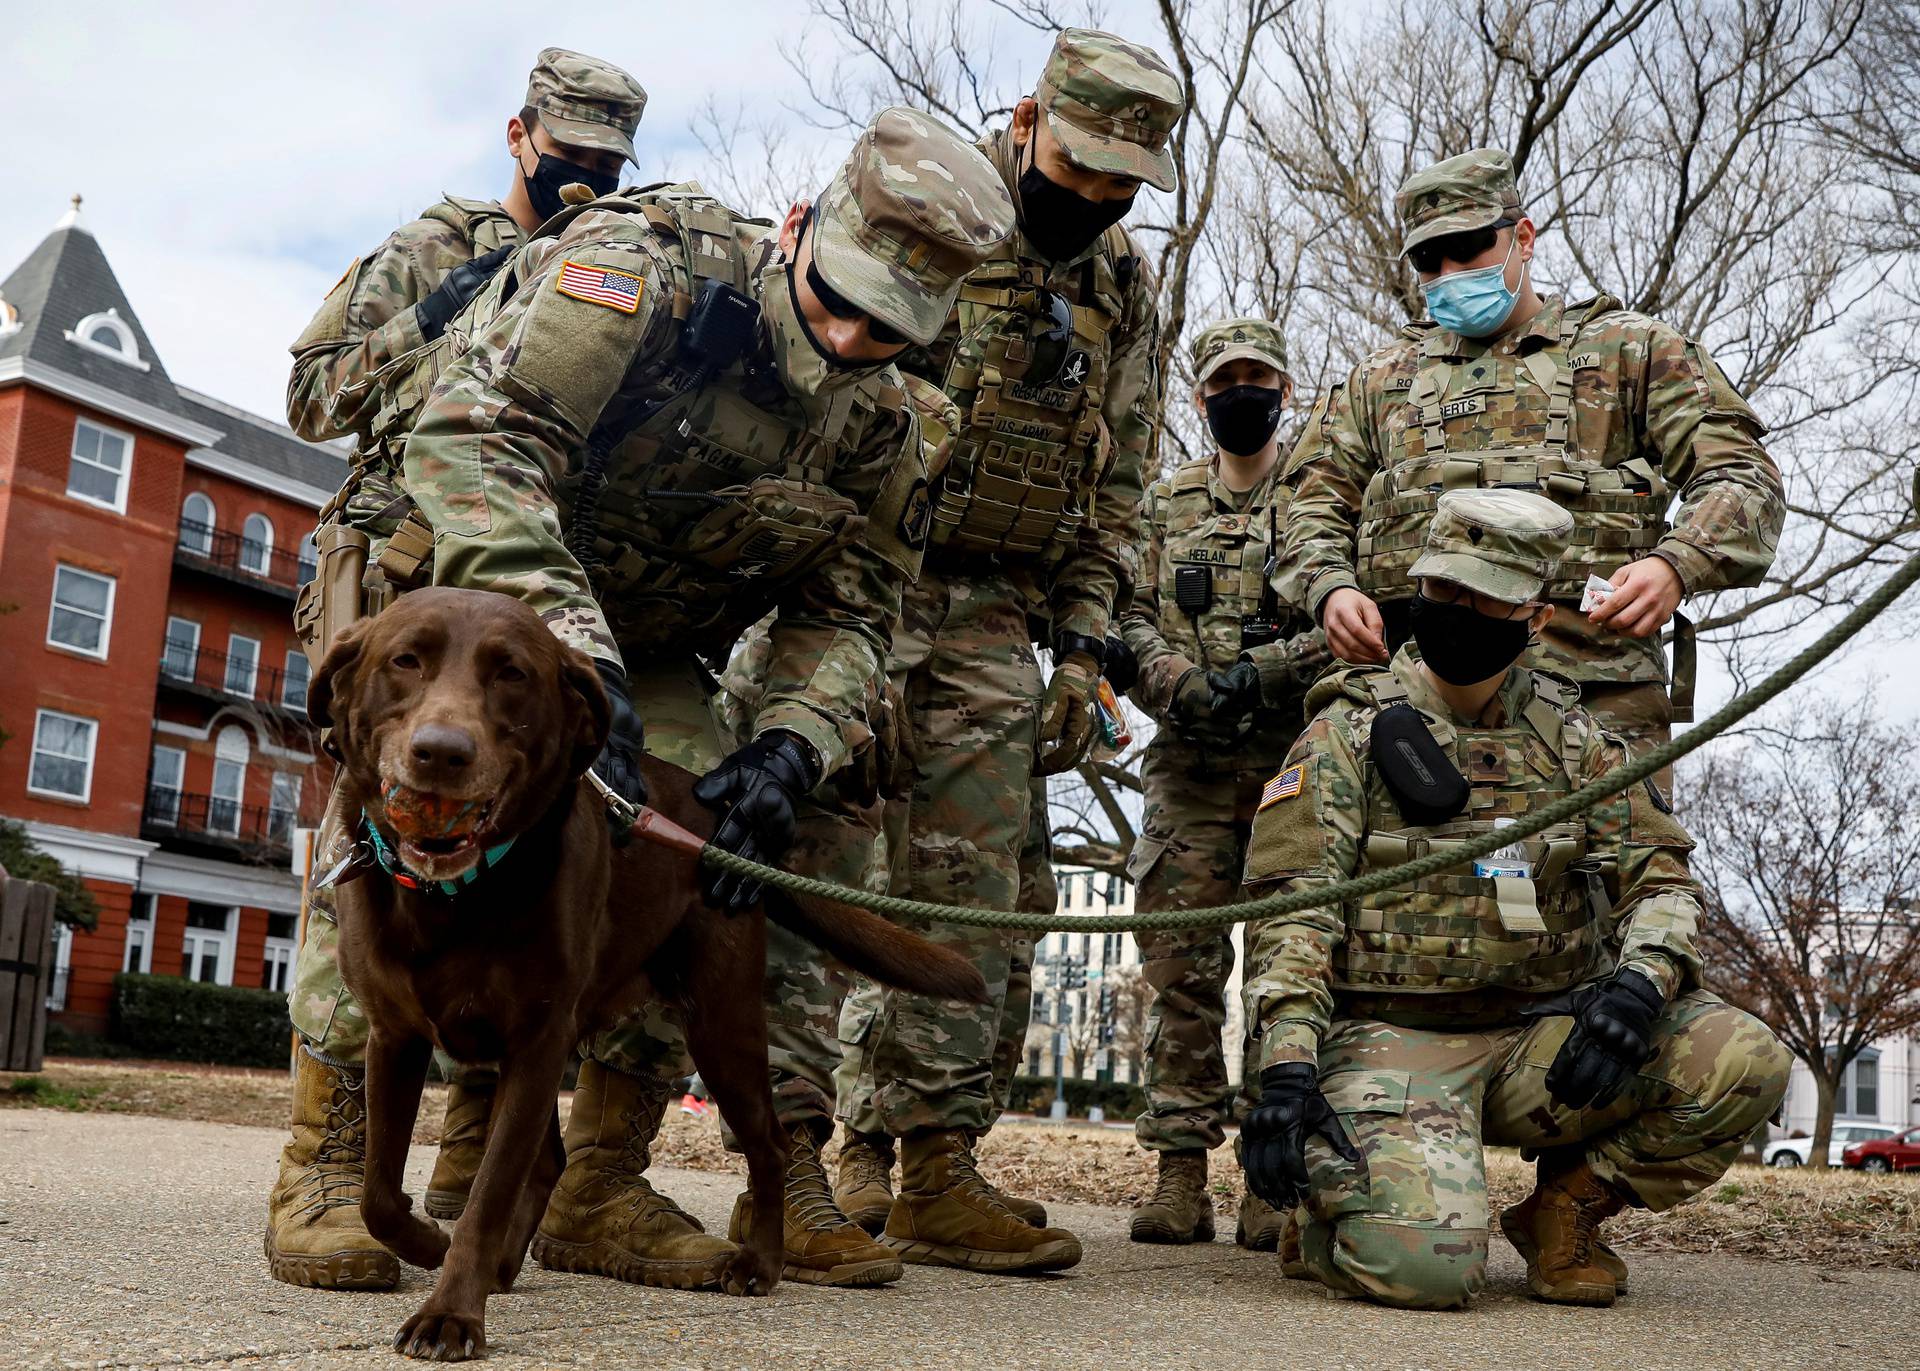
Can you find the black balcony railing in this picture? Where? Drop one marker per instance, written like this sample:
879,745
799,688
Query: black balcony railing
237,558
223,676
188,819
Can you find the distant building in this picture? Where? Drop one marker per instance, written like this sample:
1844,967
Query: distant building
1882,1085
1109,959
152,540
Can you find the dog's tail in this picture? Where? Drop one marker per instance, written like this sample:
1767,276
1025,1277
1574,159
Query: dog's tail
876,948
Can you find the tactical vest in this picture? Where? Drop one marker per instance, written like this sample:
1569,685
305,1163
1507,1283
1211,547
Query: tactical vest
1028,458
1234,549
1472,424
1457,932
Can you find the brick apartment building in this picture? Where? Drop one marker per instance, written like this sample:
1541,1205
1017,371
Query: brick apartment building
153,699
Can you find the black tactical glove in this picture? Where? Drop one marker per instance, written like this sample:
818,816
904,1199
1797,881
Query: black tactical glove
619,761
1612,1038
1122,668
1273,1140
452,295
756,788
1236,693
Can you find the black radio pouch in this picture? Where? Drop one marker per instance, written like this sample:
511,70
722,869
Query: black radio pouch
1425,783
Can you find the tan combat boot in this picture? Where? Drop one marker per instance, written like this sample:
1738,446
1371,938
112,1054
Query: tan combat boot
863,1186
945,1215
1030,1212
314,1232
1293,1264
605,1219
1179,1210
822,1247
463,1142
1556,1229
1260,1227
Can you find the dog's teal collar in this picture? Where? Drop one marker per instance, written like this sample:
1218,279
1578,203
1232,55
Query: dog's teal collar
391,864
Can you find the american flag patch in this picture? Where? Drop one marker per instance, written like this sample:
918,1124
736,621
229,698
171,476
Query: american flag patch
600,286
1284,786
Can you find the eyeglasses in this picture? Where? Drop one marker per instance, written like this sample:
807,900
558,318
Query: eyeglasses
1428,257
1050,347
1440,592
840,307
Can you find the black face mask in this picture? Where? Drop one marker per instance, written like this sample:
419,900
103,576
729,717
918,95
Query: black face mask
551,173
1243,418
1462,645
1062,223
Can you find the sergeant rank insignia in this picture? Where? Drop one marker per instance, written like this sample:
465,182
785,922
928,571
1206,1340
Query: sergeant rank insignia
1284,786
600,286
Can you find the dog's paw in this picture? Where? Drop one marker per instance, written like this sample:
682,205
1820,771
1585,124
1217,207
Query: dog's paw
419,1242
750,1274
441,1335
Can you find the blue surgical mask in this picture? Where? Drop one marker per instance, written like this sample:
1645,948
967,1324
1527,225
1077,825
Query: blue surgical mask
1473,304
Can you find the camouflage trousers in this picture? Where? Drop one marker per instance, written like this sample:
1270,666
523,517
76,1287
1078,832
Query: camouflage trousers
1039,894
1422,1103
1190,853
966,668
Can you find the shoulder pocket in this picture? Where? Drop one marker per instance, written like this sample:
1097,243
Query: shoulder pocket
579,332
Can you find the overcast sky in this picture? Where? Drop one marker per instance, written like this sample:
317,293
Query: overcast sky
234,162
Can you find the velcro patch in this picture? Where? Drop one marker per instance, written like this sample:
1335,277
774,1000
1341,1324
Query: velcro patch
1284,786
600,286
1583,359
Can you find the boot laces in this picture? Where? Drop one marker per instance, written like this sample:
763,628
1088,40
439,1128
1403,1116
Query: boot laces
863,1164
1176,1187
809,1197
335,1179
642,1201
965,1170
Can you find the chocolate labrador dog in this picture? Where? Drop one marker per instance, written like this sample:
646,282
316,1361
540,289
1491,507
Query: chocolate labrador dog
484,909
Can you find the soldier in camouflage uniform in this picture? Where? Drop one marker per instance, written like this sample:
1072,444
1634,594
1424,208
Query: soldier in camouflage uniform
1050,360
1206,608
1546,997
577,125
748,447
1609,413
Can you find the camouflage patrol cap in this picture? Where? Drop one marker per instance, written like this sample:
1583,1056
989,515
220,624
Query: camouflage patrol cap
1111,105
1503,543
584,102
1231,339
911,212
1466,192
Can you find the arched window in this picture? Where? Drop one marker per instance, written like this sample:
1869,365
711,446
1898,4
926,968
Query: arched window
196,524
109,334
231,748
309,560
256,544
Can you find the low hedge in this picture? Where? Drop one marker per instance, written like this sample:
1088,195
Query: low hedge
175,1019
1034,1095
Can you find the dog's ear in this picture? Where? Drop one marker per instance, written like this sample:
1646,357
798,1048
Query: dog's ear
588,714
335,675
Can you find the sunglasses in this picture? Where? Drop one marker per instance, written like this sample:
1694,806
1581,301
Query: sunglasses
1442,592
840,307
1049,347
1456,247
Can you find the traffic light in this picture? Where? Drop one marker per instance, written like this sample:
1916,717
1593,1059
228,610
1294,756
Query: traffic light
1073,974
1106,1002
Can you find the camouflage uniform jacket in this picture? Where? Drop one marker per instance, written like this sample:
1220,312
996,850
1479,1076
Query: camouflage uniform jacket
1094,429
1604,410
1609,888
731,500
1193,521
367,319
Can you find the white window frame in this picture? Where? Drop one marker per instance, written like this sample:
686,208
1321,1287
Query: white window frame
128,351
62,968
238,799
178,758
253,672
276,966
106,619
276,781
141,921
119,503
93,743
211,523
307,560
264,544
305,669
193,653
223,940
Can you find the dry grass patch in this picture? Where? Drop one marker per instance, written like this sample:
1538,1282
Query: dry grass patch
1831,1218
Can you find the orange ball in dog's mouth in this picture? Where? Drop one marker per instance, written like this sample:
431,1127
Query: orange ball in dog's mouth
434,824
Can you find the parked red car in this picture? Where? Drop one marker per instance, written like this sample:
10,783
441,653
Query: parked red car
1901,1152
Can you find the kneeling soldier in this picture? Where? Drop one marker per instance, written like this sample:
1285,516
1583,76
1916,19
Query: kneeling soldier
1547,997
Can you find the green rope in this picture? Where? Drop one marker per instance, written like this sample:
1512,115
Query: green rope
1313,897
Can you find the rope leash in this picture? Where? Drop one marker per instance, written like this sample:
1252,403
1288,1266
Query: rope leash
1221,916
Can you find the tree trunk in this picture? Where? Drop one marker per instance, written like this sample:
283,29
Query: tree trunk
1826,1087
